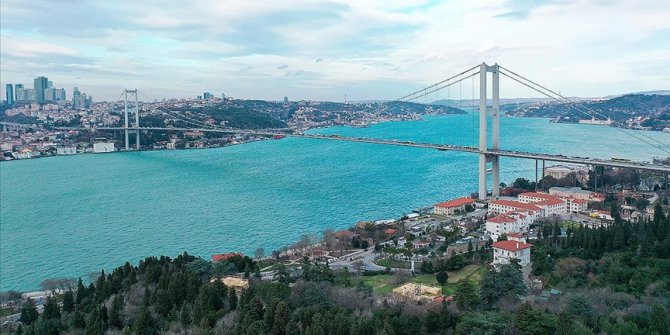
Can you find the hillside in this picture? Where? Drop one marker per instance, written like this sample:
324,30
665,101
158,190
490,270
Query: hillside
635,110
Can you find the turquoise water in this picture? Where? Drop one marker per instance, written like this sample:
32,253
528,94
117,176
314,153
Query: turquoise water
68,216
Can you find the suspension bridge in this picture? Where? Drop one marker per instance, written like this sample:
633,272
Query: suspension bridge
489,151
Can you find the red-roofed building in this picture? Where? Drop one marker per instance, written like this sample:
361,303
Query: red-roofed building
390,231
550,204
504,251
225,257
451,206
505,206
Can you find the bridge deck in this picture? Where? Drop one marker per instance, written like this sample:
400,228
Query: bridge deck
442,147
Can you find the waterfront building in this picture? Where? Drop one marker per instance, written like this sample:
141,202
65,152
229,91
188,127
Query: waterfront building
450,207
66,150
505,251
10,94
100,146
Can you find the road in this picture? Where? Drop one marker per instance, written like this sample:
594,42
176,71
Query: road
619,163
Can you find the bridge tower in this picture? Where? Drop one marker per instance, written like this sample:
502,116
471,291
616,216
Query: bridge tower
136,110
495,131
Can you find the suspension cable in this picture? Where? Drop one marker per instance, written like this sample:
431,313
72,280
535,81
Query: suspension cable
583,110
437,84
571,106
438,88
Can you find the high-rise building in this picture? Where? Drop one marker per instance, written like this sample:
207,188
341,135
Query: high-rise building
285,99
40,85
75,97
10,94
207,95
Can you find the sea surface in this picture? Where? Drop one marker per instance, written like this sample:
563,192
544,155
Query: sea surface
69,216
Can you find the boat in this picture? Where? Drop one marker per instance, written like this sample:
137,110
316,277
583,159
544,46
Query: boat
278,137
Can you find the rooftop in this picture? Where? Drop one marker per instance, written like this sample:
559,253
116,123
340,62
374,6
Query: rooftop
455,203
512,246
515,204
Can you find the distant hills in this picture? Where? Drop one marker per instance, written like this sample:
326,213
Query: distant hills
643,110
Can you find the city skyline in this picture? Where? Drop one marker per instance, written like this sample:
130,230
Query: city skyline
324,50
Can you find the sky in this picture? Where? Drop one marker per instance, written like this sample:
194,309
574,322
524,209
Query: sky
326,50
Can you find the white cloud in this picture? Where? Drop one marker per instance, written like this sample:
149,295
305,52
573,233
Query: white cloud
316,49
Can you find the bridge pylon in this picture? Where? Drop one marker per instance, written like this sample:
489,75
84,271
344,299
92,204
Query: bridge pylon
484,69
136,110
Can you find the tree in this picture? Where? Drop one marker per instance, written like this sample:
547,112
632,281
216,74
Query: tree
489,323
466,295
94,324
533,322
28,312
281,274
115,314
502,237
68,301
442,277
508,281
51,309
232,298
145,324
259,253
659,320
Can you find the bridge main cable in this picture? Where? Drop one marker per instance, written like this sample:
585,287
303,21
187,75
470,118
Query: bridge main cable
436,84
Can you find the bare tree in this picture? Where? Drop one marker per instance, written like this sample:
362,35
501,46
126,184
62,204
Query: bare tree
259,253
401,276
358,266
329,239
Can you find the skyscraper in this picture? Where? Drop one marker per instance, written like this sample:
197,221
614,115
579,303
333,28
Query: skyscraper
17,87
10,94
75,97
40,85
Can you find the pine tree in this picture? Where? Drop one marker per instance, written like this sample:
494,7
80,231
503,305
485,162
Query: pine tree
145,324
68,301
232,299
659,320
28,312
115,314
94,325
51,309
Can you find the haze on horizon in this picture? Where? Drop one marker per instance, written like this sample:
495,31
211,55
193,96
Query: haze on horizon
322,50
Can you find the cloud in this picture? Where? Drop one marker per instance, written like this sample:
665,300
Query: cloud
382,48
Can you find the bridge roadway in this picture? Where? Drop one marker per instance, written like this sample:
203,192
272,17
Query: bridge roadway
441,147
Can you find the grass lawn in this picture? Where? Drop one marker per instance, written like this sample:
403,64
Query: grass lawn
466,272
396,264
381,284
568,224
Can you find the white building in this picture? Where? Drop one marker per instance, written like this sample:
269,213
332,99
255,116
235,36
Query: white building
562,171
501,224
505,251
66,150
551,205
505,206
577,205
99,147
575,192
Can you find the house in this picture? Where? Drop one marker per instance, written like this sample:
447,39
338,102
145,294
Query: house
420,244
225,257
450,207
505,251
